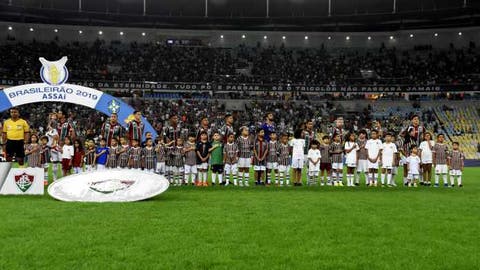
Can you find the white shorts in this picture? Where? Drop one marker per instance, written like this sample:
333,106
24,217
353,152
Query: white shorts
351,165
160,167
176,169
283,168
298,163
313,173
387,166
412,176
337,166
89,168
272,165
203,166
455,172
259,168
362,165
231,169
100,167
441,169
244,162
56,156
190,169
372,165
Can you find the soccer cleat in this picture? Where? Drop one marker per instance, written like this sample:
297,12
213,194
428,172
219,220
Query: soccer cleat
460,185
357,184
445,185
227,183
414,184
436,185
247,184
340,184
322,184
205,184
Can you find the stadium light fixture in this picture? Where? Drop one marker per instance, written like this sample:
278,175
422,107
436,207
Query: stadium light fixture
265,37
411,35
391,37
329,38
284,37
10,28
144,34
243,36
347,37
31,29
436,34
306,37
55,30
369,37
121,33
80,32
221,36
100,32
459,33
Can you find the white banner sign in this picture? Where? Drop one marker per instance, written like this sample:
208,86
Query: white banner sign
42,92
24,181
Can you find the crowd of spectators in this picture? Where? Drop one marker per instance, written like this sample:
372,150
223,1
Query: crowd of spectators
164,63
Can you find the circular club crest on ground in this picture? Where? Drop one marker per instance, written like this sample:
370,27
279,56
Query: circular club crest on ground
108,186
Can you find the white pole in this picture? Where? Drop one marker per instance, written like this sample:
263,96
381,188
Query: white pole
144,7
268,8
79,5
9,2
394,6
206,8
329,8
464,3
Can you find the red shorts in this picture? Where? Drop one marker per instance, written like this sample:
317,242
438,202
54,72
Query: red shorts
66,164
325,166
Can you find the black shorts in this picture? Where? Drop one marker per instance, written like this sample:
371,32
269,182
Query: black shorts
15,148
217,168
325,166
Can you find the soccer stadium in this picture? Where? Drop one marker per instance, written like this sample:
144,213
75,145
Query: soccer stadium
240,134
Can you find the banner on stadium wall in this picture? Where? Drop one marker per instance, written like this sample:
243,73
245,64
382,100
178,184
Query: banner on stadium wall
20,181
54,89
179,86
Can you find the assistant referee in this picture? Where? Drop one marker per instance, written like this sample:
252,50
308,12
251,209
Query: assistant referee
15,135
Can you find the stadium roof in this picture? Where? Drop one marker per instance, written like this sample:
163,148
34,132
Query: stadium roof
291,15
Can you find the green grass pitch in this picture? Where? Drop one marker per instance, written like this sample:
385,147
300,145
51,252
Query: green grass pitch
250,228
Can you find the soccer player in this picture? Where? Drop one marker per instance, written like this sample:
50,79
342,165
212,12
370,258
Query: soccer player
426,156
78,155
283,161
32,151
230,158
148,156
314,156
113,150
135,155
298,156
413,163
336,151
325,161
190,160
272,157
112,129
178,162
101,155
90,156
203,155
45,152
135,128
204,126
388,152
440,154
67,155
65,127
362,158
373,146
245,146
260,152
351,150
123,153
216,158
227,128
456,163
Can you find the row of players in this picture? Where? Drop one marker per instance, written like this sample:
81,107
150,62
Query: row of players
188,162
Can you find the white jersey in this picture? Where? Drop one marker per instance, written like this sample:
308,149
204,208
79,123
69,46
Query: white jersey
315,155
413,164
50,135
373,147
298,146
426,151
351,157
388,154
67,151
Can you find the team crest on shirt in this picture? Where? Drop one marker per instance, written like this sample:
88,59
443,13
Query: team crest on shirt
24,181
54,72
113,106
